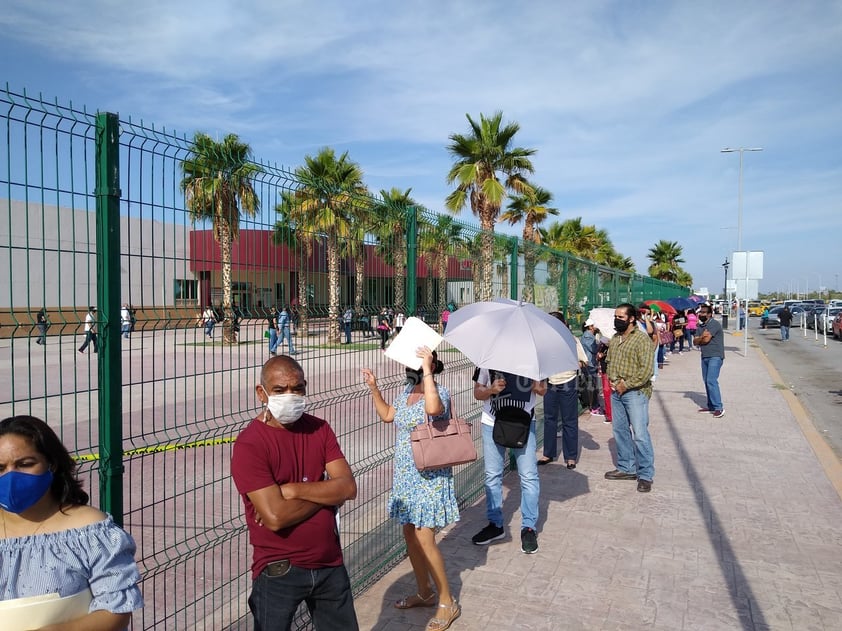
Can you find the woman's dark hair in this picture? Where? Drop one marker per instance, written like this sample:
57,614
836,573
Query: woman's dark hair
414,376
558,315
66,488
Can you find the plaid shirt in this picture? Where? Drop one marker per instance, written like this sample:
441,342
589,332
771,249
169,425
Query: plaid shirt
632,359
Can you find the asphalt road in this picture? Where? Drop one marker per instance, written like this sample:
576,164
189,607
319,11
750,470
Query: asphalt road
812,371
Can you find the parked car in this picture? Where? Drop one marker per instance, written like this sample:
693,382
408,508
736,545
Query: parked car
797,313
825,318
811,314
772,320
837,326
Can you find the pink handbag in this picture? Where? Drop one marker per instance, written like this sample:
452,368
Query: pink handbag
442,444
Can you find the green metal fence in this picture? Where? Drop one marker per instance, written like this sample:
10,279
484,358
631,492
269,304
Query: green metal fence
102,211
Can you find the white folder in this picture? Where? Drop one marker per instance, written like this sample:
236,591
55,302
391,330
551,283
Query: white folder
414,333
34,612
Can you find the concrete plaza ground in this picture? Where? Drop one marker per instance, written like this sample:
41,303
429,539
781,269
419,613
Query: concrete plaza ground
742,529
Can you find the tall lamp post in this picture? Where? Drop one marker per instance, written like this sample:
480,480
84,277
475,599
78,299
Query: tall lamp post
725,292
740,150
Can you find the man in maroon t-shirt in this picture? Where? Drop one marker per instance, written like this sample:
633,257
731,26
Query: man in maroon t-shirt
292,475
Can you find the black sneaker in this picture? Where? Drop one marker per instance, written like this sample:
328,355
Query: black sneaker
528,541
620,475
644,486
488,534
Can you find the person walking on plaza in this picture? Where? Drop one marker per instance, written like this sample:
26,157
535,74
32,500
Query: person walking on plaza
561,402
42,324
90,331
125,321
630,370
284,323
292,476
272,328
495,389
422,501
400,320
209,317
711,340
384,328
785,318
347,320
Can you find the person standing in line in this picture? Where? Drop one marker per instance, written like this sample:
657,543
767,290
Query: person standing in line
209,317
52,541
679,324
292,476
125,321
785,318
284,323
646,322
591,371
42,324
630,372
422,501
272,327
493,388
690,327
445,316
90,331
562,400
711,339
764,317
347,320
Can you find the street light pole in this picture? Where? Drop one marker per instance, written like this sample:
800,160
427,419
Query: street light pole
725,290
740,193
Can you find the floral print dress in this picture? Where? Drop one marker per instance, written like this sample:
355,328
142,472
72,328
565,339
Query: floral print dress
426,499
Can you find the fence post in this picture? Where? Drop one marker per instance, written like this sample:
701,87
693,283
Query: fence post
411,260
109,364
565,286
513,260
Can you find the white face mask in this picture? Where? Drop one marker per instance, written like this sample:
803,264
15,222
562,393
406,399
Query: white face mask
286,408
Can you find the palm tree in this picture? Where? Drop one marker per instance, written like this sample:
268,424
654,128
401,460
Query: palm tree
665,257
531,207
331,186
218,186
446,236
288,231
483,157
390,230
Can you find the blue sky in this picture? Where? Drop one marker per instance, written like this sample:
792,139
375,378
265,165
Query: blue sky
627,103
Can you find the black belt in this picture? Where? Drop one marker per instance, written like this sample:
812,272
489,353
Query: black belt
277,568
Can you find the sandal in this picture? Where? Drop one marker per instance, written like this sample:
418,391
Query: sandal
417,600
446,615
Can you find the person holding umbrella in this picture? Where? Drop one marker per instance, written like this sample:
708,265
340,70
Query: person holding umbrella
630,370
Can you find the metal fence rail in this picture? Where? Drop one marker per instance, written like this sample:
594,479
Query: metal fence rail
97,213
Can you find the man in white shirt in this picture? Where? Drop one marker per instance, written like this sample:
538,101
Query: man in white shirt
90,331
125,321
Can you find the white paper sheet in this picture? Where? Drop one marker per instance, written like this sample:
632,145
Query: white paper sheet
35,612
414,333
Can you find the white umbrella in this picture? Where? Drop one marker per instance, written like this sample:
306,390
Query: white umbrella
603,317
515,337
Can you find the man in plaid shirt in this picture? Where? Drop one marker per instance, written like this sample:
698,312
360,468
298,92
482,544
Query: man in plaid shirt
630,368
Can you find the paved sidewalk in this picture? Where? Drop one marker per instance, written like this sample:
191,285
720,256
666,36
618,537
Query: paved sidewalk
742,529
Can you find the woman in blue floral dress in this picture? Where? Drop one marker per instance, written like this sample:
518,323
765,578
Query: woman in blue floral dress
422,501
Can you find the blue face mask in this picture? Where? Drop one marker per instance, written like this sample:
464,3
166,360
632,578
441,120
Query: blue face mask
19,491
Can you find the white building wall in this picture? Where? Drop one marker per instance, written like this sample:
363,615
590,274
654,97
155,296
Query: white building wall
48,257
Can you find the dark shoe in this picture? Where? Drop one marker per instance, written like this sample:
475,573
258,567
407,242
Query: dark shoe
528,541
620,475
545,460
719,414
571,465
488,534
703,410
644,486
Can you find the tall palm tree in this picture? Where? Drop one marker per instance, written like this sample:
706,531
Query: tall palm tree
331,188
290,232
532,208
446,237
665,257
486,167
390,230
217,186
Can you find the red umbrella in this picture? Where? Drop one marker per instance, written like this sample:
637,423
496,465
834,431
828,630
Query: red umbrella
663,306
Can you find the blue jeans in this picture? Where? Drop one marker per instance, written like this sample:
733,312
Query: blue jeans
690,333
327,592
273,340
286,335
710,375
347,326
527,469
209,328
631,434
784,333
561,400
125,330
